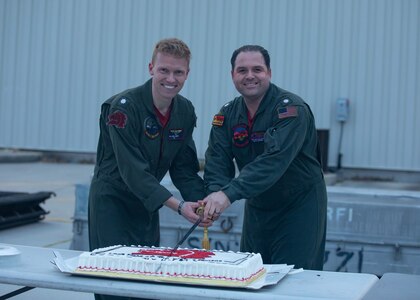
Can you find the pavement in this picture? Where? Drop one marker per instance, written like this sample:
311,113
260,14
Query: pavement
56,230
29,174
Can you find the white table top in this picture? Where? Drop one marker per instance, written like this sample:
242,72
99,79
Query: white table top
35,270
395,286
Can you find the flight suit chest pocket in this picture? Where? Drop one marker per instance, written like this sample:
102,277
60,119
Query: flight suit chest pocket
257,139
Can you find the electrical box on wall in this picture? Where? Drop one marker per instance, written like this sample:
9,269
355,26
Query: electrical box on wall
342,109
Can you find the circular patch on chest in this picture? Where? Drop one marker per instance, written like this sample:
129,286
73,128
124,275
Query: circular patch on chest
240,135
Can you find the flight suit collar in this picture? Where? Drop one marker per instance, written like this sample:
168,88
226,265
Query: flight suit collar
265,101
263,105
148,102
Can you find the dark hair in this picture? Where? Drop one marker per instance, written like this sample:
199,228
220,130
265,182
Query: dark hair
251,48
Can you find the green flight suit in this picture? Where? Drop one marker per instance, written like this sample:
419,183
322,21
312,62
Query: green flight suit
134,154
280,176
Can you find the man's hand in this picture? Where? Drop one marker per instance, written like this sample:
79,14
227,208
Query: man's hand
215,204
187,210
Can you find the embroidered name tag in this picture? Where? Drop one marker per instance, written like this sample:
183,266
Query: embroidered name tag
257,136
176,134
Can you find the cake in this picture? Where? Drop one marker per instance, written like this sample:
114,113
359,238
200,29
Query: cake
194,266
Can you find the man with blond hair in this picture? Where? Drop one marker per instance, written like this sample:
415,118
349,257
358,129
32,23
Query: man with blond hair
145,132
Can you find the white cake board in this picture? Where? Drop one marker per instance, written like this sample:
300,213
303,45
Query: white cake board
273,274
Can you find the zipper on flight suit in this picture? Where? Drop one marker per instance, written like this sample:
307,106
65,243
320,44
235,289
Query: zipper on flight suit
160,149
250,131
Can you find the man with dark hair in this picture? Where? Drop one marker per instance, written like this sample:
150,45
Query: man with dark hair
270,133
145,132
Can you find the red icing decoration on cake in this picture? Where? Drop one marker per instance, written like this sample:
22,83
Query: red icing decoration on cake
182,253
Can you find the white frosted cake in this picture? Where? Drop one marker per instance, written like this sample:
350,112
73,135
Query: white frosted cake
183,265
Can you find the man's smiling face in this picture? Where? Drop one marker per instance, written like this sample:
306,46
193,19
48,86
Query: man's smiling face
251,76
169,74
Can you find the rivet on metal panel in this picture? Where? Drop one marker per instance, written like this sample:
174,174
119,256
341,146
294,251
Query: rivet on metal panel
397,254
78,227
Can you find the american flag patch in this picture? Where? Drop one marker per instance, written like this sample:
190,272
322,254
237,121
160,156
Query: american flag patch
218,120
287,112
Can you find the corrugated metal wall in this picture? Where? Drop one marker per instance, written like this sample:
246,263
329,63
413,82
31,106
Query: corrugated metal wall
60,59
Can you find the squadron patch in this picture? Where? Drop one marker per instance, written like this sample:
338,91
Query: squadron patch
240,135
117,119
218,120
151,127
257,136
287,112
176,134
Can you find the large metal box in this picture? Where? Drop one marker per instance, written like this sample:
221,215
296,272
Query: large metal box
367,232
373,232
80,240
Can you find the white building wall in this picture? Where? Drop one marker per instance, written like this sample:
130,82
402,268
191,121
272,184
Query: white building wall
60,59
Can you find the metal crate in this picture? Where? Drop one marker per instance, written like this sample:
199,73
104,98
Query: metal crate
366,231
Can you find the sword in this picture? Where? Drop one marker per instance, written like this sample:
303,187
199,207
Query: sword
181,241
186,235
200,212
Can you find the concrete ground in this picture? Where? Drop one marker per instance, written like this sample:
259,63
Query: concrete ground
55,231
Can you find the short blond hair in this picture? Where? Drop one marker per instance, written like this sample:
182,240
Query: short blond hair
174,47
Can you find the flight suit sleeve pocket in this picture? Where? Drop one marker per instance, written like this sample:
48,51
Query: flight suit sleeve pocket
271,143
